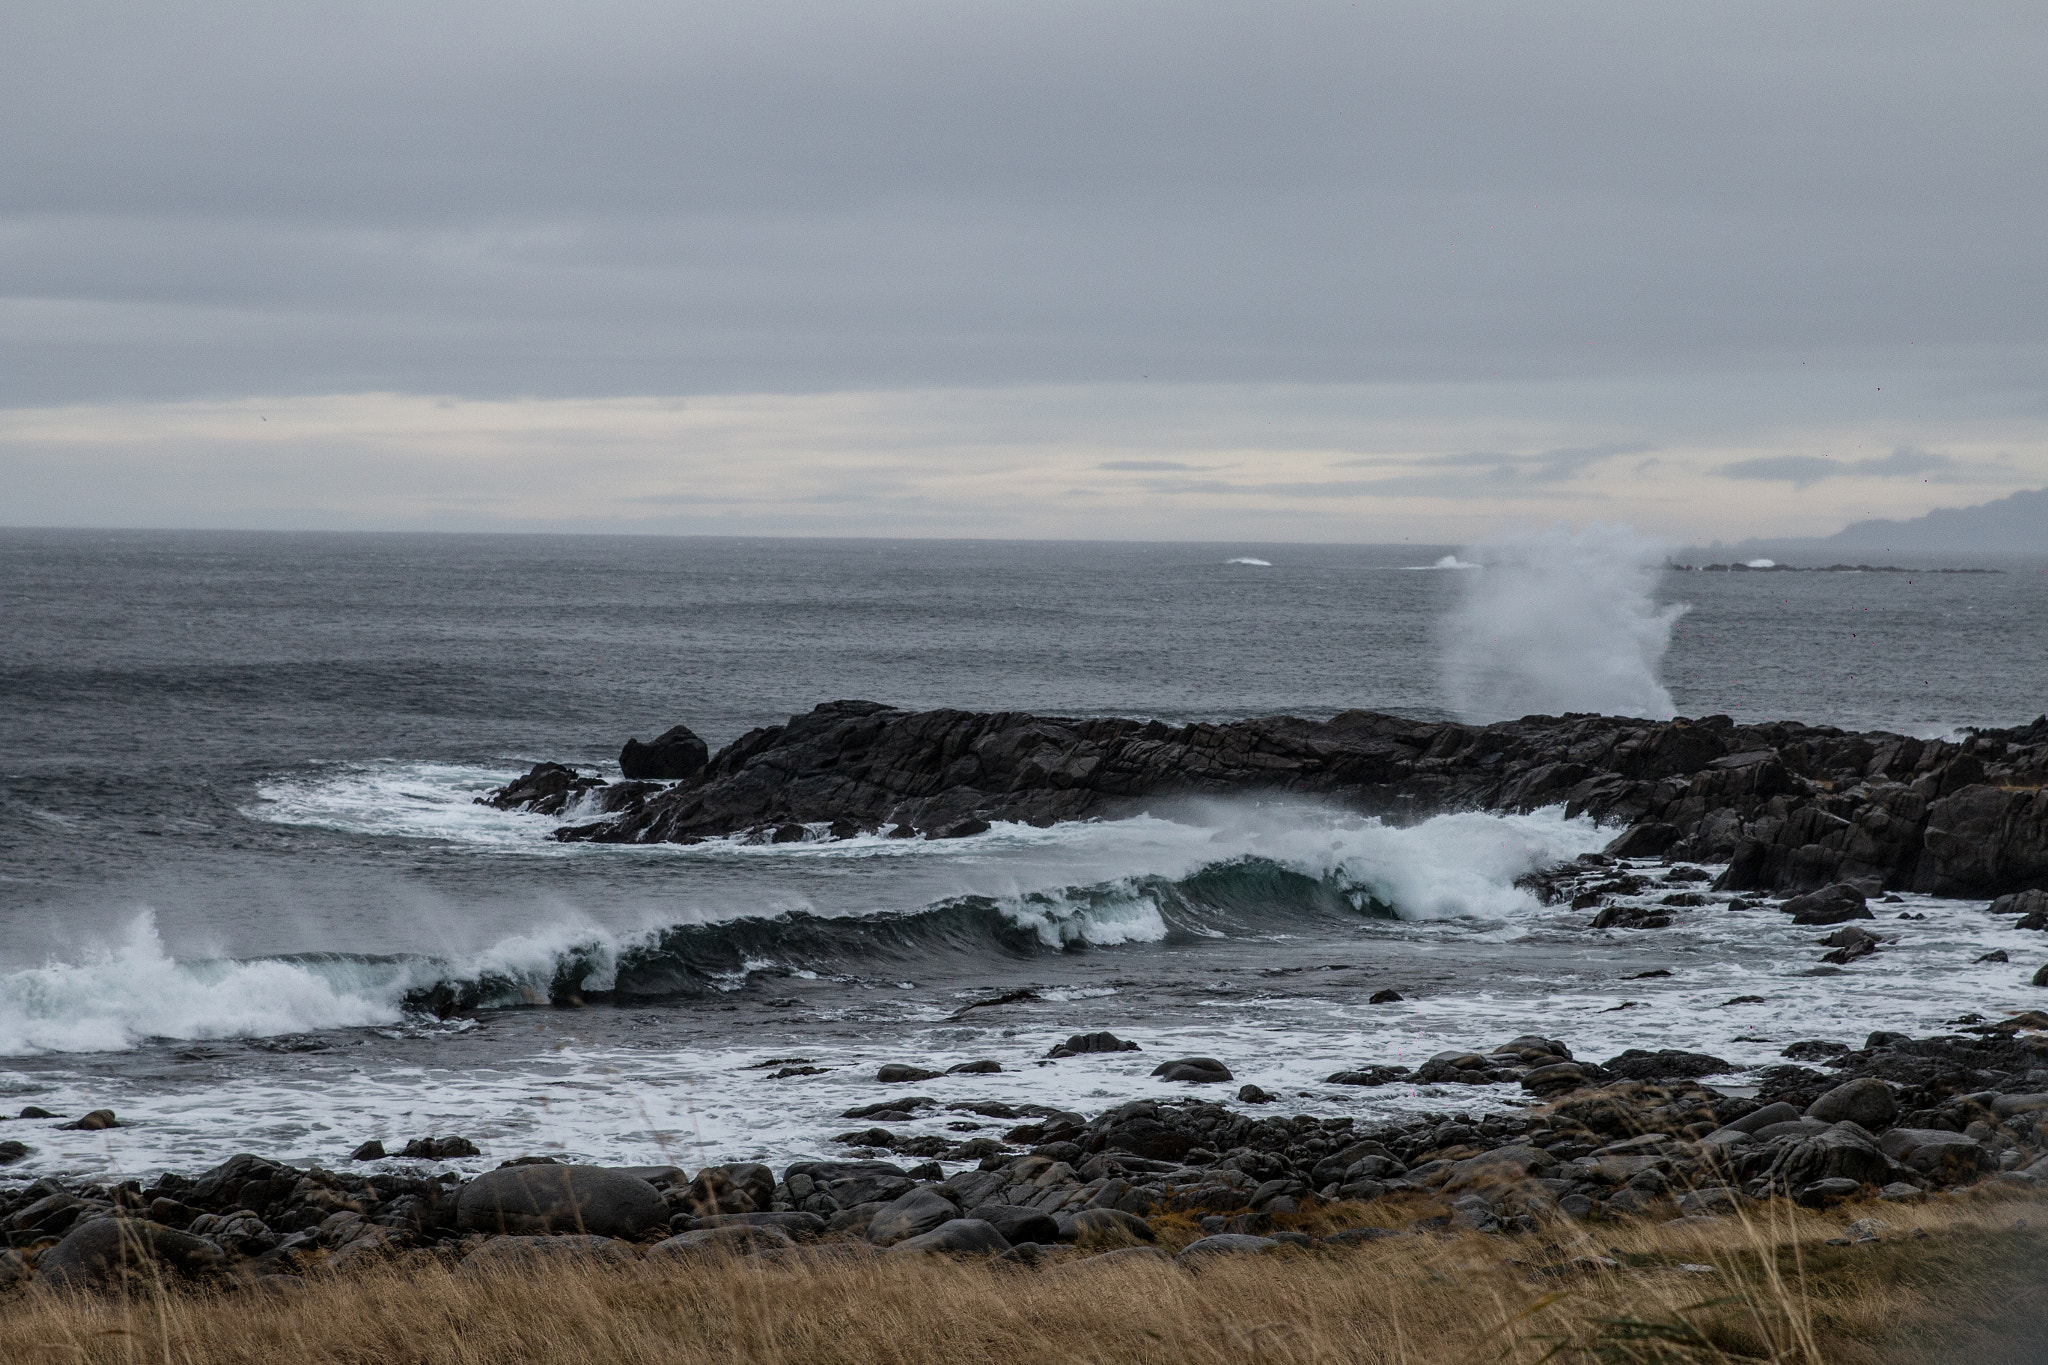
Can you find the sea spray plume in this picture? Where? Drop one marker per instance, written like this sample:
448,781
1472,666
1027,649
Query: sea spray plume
1557,622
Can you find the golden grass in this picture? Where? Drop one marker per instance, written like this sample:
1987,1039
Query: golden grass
1968,1291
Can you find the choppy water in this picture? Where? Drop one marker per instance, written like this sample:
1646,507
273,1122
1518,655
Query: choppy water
238,847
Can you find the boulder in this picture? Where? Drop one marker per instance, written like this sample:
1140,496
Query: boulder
1368,1075
803,1227
1501,1166
1196,1070
91,1123
1835,904
1937,1152
1843,1152
1224,1244
552,1199
1111,1225
1082,1043
960,1236
1757,1120
911,1215
1867,1102
440,1148
1663,1065
1017,1222
675,754
373,1150
1125,1256
902,1073
719,1244
12,1151
101,1249
527,1253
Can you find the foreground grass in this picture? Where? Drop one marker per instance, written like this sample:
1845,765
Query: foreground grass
1969,1290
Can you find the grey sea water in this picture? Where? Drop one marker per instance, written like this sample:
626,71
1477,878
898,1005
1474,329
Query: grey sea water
237,833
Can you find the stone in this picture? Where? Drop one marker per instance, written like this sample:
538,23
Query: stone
1830,905
1555,1079
902,1073
440,1148
1018,1222
1867,1102
718,1244
1822,1193
1501,1166
34,1111
985,1067
802,1226
1760,1119
1124,1257
553,1199
1385,997
93,1122
1251,1094
1112,1225
673,755
98,1250
373,1150
959,1236
1370,1075
910,1215
665,1178
1196,1070
1224,1244
527,1253
1843,1151
1666,1064
1947,1156
11,1152
1082,1043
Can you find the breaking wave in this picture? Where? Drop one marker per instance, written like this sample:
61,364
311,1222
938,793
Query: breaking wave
1288,879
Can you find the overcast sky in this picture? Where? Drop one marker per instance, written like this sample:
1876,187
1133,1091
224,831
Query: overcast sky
1308,271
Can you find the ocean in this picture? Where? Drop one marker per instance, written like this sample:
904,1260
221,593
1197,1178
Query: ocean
239,842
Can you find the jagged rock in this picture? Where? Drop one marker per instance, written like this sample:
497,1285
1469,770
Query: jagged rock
1368,1075
1787,806
1830,905
549,1199
544,789
439,1148
675,754
373,1150
1638,1065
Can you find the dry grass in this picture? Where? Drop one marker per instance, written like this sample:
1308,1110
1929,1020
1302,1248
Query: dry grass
1777,1293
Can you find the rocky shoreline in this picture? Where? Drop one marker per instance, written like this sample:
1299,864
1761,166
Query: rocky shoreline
1637,1136
1786,807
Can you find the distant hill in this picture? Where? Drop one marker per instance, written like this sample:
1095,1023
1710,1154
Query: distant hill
2014,525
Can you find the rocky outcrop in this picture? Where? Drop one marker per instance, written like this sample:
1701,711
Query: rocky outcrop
1786,807
675,754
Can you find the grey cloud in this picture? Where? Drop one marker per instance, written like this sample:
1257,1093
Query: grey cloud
1803,471
1144,466
628,197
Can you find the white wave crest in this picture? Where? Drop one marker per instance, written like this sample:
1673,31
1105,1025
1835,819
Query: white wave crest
1255,563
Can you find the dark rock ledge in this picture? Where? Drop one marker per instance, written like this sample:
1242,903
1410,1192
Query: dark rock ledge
1787,807
1639,1136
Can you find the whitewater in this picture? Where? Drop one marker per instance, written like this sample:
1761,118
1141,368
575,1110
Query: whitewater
248,899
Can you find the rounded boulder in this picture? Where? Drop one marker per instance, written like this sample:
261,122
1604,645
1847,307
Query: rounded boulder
1866,1102
536,1200
960,1236
100,1249
1198,1070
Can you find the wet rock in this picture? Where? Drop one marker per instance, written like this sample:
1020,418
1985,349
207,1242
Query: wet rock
986,1067
1867,1102
1995,955
528,1253
93,1122
1082,1043
35,1111
1196,1070
544,789
11,1152
910,1215
373,1150
440,1148
1386,997
1830,905
959,1236
902,1073
1251,1094
1666,1064
1814,1050
1368,1075
99,1250
1631,917
556,1199
675,754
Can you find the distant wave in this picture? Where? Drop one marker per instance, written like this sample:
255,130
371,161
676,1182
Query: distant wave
1447,562
1247,559
1303,877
